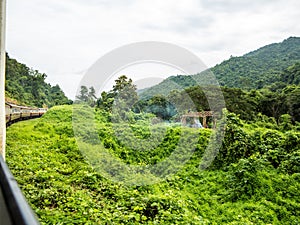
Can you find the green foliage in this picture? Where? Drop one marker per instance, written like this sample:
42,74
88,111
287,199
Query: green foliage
237,143
63,188
254,178
285,122
179,83
87,96
123,96
242,178
268,65
260,67
157,105
292,74
249,105
28,86
291,163
293,101
272,72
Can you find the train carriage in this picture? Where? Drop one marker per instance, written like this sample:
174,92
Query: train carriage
25,112
42,111
7,112
15,113
34,112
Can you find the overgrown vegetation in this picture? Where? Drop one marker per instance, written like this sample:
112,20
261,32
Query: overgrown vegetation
254,179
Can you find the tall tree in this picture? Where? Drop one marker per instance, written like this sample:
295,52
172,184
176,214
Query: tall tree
123,95
87,95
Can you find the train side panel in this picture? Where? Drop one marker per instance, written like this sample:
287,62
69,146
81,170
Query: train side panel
7,113
14,113
25,112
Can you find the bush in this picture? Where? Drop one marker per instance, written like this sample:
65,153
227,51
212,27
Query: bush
291,164
242,179
237,143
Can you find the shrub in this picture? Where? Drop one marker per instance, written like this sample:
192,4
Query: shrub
242,179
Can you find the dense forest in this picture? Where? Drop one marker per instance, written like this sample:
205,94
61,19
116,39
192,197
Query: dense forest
253,70
259,68
280,99
27,86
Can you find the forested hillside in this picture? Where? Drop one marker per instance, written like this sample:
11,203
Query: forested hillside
259,68
27,86
254,70
275,100
249,105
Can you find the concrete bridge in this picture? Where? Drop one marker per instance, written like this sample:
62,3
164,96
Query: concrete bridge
197,115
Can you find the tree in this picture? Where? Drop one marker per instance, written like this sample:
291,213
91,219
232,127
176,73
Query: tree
272,104
87,96
123,96
92,96
105,101
292,74
161,107
83,97
125,90
292,94
58,97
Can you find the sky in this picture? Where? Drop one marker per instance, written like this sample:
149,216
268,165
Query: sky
64,38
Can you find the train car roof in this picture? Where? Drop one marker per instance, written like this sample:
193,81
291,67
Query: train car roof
11,104
20,106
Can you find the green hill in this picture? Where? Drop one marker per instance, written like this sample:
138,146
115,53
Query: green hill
179,82
26,86
253,70
260,67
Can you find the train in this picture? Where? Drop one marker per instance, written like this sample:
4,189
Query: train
14,113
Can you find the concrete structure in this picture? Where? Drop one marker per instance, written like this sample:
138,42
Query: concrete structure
197,115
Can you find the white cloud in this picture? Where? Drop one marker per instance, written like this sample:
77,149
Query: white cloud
62,37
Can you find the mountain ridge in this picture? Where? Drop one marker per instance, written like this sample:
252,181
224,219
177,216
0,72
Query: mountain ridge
253,70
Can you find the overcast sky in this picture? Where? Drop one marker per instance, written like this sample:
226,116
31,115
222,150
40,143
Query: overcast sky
63,38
